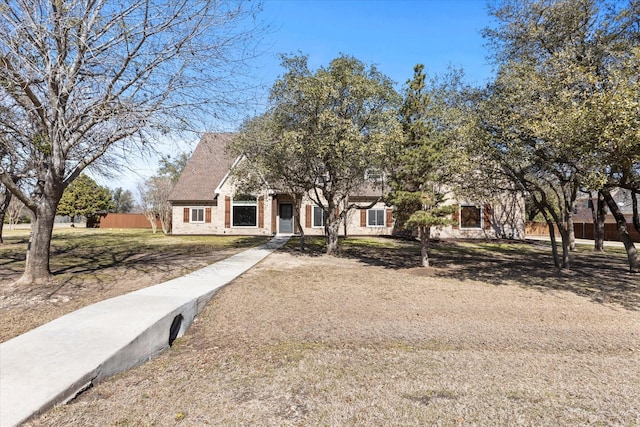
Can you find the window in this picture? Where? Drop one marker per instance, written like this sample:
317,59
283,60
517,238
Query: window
375,217
318,216
245,216
373,175
322,176
470,217
197,214
245,211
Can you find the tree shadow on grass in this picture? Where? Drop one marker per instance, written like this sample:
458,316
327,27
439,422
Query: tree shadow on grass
80,263
314,246
99,267
602,277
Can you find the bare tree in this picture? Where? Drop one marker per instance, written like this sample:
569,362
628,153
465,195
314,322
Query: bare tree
163,187
154,199
5,195
15,210
145,201
88,82
5,199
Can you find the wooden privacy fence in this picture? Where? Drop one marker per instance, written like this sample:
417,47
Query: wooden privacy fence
124,220
583,230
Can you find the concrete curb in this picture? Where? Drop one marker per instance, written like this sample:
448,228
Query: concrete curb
56,361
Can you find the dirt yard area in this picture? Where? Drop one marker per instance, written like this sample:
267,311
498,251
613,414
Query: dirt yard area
489,336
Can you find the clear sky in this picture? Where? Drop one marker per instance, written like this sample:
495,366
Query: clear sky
392,35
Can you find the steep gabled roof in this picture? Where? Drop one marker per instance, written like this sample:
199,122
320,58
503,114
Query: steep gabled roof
205,170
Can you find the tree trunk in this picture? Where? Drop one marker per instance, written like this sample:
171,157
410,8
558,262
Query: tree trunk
297,201
567,234
621,222
332,227
344,226
36,269
566,247
572,232
3,211
599,214
165,222
552,236
424,243
152,220
301,240
636,217
344,223
594,220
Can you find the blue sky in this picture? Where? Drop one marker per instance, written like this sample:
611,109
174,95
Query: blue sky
393,35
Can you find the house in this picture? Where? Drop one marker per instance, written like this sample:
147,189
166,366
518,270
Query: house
206,201
582,211
583,216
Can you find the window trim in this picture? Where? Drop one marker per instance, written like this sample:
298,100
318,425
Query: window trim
384,217
481,213
313,216
191,212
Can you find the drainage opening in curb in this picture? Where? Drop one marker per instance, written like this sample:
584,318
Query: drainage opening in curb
175,328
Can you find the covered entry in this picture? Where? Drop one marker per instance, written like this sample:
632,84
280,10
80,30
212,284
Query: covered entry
285,218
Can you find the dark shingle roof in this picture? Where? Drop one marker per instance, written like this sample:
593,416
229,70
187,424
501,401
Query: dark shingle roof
204,171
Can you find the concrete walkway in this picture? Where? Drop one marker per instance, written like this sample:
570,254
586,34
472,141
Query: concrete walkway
58,360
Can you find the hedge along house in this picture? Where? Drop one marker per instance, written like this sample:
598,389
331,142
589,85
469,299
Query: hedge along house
205,200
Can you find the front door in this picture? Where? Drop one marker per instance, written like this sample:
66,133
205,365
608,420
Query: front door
285,213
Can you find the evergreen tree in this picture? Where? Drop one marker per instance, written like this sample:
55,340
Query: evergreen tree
172,168
416,175
84,197
122,200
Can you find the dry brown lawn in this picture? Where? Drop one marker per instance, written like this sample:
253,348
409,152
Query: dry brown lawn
91,265
489,336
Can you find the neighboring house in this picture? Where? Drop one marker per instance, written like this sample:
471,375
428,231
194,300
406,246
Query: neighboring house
582,209
205,201
583,216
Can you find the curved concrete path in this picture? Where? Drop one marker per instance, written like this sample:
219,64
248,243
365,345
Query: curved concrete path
58,360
